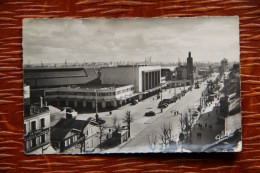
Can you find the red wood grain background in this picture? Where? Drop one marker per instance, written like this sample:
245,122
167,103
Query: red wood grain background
12,158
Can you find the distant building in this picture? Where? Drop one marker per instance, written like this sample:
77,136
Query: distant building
223,67
144,78
168,72
190,68
181,72
233,81
26,94
36,130
186,72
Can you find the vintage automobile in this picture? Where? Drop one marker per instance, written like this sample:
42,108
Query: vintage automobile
134,102
150,113
164,105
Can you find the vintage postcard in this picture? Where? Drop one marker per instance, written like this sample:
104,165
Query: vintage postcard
134,85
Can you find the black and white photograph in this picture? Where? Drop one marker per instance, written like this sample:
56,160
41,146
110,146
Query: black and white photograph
131,85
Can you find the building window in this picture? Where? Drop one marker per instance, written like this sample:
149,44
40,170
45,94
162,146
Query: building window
33,125
33,144
42,123
43,138
67,142
75,138
24,129
87,133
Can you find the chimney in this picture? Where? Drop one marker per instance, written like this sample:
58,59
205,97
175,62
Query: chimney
41,102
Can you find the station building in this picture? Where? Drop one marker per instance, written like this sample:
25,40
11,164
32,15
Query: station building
81,88
84,97
144,78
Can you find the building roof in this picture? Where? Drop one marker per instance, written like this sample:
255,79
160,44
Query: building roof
72,123
64,126
53,109
59,76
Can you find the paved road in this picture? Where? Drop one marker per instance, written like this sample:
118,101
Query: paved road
140,143
147,125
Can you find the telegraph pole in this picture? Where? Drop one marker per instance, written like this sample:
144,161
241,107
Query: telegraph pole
161,99
175,90
96,102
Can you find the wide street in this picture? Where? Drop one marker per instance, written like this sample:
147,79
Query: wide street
154,126
143,126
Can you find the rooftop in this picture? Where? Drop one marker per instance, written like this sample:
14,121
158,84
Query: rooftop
33,110
38,77
64,126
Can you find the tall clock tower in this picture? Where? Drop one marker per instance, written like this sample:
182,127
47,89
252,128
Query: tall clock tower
190,68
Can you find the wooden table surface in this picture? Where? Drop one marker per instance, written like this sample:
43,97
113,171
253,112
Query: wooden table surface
12,158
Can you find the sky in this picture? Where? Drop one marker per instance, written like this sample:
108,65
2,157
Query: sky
105,40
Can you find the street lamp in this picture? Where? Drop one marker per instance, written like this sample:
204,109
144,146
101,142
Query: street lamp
96,103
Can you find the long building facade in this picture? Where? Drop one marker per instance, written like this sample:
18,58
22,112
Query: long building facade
107,96
82,88
143,78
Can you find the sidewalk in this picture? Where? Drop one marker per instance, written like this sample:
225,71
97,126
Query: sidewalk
205,130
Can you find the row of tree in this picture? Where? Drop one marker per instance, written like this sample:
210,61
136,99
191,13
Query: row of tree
166,139
128,119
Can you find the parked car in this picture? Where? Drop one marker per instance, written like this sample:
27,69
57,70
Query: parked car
178,95
134,102
165,102
168,101
164,105
150,113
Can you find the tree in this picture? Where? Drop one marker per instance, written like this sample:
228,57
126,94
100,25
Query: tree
186,125
166,135
152,141
116,125
181,121
128,119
